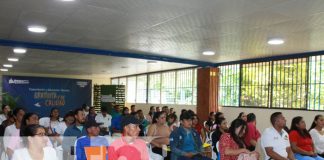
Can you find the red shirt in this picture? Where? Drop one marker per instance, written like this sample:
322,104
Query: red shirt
226,141
251,134
137,150
198,128
304,143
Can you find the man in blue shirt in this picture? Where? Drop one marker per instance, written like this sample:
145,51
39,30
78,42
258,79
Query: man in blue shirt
91,140
185,142
115,122
72,133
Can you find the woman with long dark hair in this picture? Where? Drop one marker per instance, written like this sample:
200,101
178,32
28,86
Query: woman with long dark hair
35,141
172,121
301,141
51,122
150,115
231,144
28,119
242,116
317,134
160,131
221,129
198,127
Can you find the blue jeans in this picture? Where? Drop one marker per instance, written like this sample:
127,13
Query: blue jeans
302,157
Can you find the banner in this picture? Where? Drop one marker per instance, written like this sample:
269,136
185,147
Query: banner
40,94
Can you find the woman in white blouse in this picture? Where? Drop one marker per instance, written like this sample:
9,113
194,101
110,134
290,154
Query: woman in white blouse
35,140
317,133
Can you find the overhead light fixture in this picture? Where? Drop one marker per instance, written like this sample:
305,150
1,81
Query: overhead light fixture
7,65
151,62
67,0
4,70
19,50
276,41
208,53
13,59
37,29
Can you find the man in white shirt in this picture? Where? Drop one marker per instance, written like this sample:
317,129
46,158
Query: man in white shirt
105,119
275,140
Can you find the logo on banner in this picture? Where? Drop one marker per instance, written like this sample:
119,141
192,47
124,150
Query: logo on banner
82,84
18,81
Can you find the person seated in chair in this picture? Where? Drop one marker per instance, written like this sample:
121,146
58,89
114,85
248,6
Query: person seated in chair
185,142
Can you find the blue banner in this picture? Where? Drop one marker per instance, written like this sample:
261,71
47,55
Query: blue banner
40,94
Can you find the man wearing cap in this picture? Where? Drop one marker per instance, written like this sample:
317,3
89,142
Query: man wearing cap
185,142
129,146
91,140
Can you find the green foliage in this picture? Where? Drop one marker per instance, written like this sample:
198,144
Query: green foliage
9,100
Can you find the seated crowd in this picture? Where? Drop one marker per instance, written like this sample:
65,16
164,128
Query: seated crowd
126,134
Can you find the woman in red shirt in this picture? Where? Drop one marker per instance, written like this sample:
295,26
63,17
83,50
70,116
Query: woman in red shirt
301,141
198,127
252,134
231,144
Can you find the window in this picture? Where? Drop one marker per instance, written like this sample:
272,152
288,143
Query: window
289,83
168,87
316,83
194,87
296,83
114,81
141,89
122,81
255,84
131,89
184,91
154,88
229,81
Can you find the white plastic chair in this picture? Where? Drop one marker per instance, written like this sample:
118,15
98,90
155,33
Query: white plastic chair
217,147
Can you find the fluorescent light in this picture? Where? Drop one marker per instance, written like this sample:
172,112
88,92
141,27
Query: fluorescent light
4,70
19,50
8,65
67,0
13,59
276,41
37,29
151,62
208,53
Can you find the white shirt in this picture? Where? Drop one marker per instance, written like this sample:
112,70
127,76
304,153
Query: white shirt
11,137
60,128
271,138
2,118
318,140
46,122
23,154
105,120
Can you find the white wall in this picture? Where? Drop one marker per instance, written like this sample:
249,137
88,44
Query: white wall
263,115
